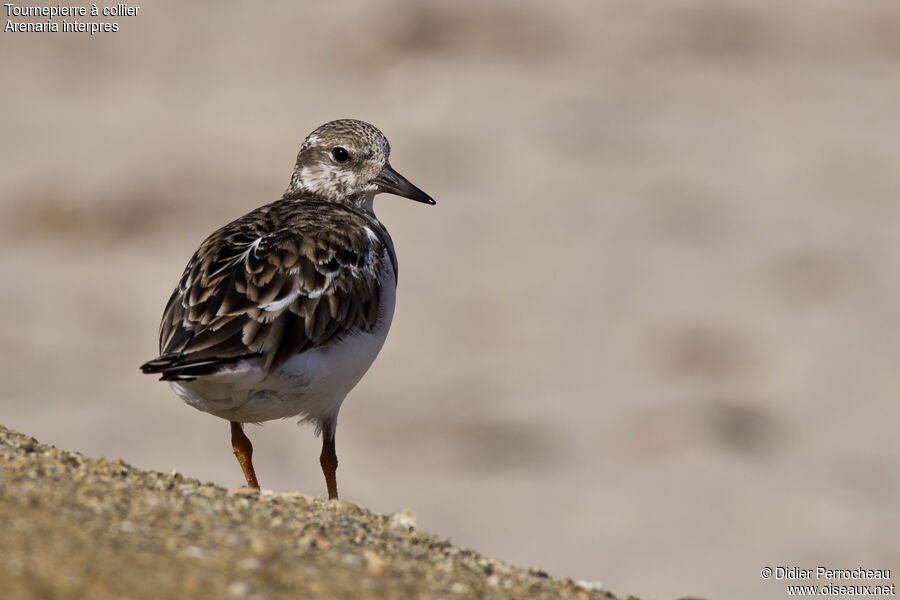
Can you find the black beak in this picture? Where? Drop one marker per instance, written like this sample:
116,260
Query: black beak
392,182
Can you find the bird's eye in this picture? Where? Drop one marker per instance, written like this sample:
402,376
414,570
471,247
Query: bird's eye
340,154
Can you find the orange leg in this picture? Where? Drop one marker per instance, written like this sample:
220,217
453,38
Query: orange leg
328,460
243,450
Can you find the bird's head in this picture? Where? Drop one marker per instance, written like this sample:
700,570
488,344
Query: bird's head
347,161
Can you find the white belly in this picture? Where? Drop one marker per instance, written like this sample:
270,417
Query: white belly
310,386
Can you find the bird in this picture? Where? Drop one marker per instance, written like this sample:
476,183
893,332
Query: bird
280,313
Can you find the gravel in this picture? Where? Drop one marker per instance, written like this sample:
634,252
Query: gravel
78,527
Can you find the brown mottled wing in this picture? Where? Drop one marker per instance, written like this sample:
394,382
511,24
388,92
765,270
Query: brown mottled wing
272,284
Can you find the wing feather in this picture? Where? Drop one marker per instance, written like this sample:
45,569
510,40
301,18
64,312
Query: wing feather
284,279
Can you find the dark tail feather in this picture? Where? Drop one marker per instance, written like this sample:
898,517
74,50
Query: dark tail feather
175,367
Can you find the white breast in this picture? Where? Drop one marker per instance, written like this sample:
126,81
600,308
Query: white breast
311,385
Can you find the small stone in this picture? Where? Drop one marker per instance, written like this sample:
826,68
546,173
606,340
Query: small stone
260,547
297,496
351,560
405,519
588,586
238,589
376,564
127,527
251,563
243,492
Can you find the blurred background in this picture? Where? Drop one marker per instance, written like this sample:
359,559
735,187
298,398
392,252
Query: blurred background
649,335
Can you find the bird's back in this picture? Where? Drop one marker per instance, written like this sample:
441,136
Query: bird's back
290,277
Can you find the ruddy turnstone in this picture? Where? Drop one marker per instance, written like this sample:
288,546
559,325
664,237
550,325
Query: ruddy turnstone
281,312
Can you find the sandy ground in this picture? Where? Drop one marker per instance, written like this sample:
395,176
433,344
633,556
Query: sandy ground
77,527
648,336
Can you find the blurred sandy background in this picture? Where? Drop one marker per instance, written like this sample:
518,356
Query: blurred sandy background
650,334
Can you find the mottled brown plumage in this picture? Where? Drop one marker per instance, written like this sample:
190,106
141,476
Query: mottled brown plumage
290,276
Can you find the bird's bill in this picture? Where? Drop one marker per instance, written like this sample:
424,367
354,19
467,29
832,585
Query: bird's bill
392,182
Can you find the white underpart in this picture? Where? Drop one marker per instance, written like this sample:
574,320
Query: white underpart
311,386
